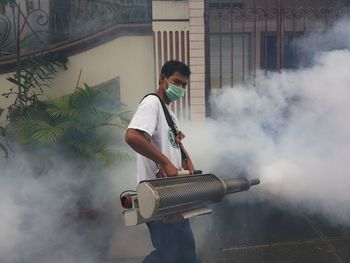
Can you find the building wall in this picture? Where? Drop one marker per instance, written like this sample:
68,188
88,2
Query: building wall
178,28
171,30
128,58
197,59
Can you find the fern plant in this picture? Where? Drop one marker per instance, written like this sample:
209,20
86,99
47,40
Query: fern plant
77,121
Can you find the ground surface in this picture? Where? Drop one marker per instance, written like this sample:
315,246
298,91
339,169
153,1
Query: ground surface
262,233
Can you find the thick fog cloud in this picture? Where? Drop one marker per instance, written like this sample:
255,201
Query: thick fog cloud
45,208
291,130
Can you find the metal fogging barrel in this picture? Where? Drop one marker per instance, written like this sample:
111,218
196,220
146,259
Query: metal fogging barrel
162,197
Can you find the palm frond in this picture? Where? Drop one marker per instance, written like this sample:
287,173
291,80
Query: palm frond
22,126
125,117
61,108
36,130
45,133
101,115
86,95
76,121
83,149
84,129
37,111
108,157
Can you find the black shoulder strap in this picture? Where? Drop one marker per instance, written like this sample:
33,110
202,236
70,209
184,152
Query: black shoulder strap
169,120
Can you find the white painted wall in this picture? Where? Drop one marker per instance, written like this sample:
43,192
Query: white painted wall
130,58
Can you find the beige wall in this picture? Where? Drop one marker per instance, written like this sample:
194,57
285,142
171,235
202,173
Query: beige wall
129,58
170,10
197,59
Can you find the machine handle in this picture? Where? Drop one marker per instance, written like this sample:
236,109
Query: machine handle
187,172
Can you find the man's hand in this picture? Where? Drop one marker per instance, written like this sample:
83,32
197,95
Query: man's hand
167,170
179,137
188,165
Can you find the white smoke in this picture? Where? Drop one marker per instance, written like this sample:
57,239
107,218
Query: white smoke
292,130
39,203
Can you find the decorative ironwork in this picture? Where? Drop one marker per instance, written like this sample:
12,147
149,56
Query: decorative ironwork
260,13
24,26
39,24
262,17
238,14
5,29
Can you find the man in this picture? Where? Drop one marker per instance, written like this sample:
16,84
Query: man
160,153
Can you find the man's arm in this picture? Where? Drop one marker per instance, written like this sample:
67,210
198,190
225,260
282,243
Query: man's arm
140,144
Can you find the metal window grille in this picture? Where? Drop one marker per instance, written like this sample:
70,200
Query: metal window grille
245,36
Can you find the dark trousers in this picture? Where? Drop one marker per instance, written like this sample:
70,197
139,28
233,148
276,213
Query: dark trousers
173,243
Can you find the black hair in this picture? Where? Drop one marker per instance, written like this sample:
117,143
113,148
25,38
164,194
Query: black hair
172,66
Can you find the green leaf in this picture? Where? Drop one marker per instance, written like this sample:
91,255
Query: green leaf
83,149
13,80
100,115
84,129
61,108
109,157
36,130
46,134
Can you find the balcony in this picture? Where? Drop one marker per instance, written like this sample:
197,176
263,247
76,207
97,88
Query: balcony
31,26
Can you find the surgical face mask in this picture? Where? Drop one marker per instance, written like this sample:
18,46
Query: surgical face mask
174,92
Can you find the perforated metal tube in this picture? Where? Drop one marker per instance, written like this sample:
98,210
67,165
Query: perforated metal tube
189,189
160,195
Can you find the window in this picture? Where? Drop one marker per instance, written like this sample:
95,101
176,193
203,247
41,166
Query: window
291,59
229,59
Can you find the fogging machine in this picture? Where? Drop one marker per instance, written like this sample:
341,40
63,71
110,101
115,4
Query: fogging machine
185,195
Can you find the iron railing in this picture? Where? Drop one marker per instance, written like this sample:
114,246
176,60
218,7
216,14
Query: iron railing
28,26
245,36
242,37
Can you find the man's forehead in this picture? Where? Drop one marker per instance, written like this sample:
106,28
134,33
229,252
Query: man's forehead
179,76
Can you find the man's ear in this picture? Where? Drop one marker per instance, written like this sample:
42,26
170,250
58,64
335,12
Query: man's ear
161,78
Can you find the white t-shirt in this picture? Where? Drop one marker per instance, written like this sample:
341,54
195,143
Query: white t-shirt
150,118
